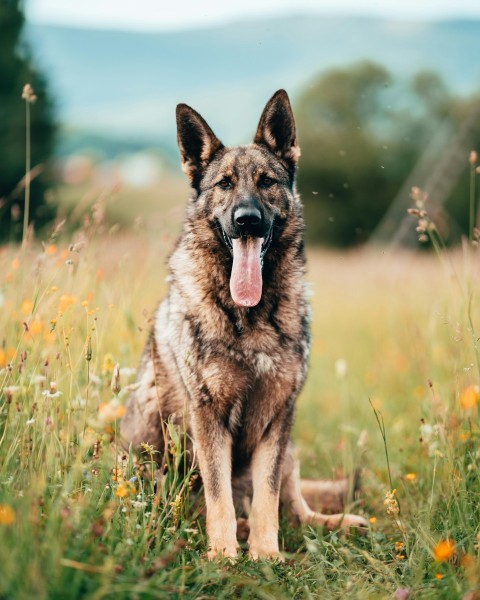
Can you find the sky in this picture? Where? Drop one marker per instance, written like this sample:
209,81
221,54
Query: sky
185,14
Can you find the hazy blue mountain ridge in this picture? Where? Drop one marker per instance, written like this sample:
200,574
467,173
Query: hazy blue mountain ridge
126,84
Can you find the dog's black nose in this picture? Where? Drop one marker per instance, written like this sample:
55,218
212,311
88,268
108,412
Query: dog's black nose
247,216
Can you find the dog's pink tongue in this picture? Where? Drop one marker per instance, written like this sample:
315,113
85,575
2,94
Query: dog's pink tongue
246,277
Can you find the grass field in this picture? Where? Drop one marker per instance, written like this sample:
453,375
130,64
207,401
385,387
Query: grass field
393,333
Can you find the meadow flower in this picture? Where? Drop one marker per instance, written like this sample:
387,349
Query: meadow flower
109,412
7,515
410,476
431,436
117,474
426,432
65,302
10,390
341,368
125,489
26,307
108,363
7,355
444,550
52,392
35,326
148,448
469,397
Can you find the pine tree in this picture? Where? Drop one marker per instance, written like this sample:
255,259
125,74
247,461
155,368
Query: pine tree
16,70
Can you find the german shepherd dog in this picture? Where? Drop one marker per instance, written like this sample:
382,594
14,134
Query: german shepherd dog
229,347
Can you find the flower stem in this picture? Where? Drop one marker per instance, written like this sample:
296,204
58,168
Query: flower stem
26,212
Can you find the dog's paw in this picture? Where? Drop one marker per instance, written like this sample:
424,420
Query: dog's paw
259,553
219,552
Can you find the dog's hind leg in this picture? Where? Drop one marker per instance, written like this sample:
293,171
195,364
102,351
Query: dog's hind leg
292,497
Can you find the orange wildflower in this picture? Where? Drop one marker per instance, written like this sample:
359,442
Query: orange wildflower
7,515
65,302
126,488
109,412
410,476
51,249
444,550
35,326
26,307
469,397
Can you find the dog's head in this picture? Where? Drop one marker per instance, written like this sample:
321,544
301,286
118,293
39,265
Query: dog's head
245,193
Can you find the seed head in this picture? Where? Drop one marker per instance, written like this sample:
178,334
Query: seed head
391,504
472,159
115,385
28,94
88,349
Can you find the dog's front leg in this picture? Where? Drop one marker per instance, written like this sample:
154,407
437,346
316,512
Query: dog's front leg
214,451
266,478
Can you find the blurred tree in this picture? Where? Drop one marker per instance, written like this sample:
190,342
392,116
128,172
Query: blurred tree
15,71
361,134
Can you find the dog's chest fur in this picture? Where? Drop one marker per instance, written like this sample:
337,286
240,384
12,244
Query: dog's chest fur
246,366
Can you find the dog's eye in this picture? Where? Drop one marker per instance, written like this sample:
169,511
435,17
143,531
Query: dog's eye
266,181
225,183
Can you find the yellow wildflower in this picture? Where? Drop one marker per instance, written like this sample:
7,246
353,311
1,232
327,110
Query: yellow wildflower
410,476
108,363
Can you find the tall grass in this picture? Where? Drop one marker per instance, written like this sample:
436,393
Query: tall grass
79,519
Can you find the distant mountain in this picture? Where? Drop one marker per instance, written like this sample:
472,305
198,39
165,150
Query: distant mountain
126,84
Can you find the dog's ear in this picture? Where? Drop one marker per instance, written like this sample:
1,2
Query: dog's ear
196,141
276,130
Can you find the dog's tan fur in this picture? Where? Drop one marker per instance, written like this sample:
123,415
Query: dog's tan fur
231,372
